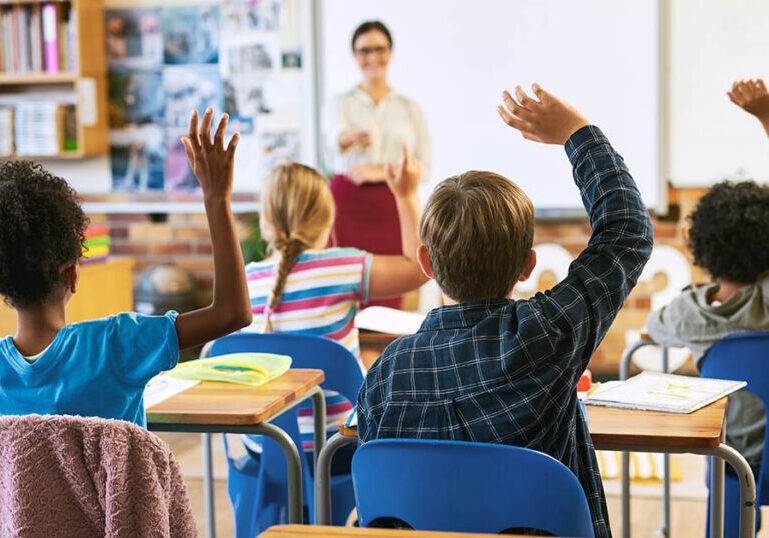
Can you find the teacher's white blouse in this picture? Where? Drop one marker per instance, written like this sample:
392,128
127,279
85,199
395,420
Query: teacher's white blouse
395,120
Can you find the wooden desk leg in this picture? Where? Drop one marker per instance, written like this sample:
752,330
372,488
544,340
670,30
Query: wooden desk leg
323,477
208,486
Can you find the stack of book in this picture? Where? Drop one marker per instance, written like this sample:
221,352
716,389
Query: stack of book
38,38
96,247
39,127
37,123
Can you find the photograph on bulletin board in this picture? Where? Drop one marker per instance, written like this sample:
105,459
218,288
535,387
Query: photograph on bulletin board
236,56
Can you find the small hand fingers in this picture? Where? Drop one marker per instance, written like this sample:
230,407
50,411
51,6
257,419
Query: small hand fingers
761,87
732,98
513,106
512,121
541,94
524,99
390,170
219,135
205,128
233,144
188,149
193,134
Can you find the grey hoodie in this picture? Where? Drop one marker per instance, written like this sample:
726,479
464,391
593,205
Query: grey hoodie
690,321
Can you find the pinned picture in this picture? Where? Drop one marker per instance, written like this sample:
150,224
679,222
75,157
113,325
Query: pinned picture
137,156
135,97
277,147
292,58
179,176
133,37
189,89
245,97
243,16
249,55
191,35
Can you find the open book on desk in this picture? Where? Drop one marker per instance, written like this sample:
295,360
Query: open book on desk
382,319
671,393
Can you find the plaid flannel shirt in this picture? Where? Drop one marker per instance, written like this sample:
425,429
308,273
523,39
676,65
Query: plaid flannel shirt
504,371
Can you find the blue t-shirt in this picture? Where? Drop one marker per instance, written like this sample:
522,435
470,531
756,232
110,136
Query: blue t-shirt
95,368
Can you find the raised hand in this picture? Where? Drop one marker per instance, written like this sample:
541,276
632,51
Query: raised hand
752,96
403,178
545,119
211,162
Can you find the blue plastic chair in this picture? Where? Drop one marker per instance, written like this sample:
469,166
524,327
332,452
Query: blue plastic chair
457,486
742,357
259,490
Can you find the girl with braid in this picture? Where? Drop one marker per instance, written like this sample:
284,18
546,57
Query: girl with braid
307,288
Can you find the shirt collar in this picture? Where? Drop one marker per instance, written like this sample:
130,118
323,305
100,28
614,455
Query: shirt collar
462,315
360,94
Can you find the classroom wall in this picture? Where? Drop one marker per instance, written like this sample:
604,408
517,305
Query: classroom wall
701,63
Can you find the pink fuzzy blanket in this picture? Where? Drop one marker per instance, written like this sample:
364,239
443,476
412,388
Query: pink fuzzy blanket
75,476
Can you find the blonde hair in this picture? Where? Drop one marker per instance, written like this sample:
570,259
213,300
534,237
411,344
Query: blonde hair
297,210
478,228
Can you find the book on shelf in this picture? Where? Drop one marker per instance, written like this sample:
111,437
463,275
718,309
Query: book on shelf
38,38
38,123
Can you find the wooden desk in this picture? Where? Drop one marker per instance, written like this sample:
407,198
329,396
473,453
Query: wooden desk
214,407
319,531
372,344
105,288
624,430
231,404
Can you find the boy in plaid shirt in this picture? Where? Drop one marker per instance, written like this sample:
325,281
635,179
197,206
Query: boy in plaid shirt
490,369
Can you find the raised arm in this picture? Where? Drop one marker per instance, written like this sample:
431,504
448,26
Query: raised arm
230,309
752,96
394,275
586,302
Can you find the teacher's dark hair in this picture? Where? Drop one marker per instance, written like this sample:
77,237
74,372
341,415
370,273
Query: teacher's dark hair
369,26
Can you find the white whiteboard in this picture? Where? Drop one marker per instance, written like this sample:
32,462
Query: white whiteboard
455,57
714,44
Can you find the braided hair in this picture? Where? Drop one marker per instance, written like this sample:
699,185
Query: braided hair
297,212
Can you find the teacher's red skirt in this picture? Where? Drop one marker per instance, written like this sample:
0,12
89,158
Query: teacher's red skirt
366,218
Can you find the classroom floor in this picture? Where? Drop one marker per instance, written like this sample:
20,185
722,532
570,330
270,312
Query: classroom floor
687,509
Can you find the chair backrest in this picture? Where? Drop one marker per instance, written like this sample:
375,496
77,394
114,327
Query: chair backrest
458,486
90,476
342,372
745,357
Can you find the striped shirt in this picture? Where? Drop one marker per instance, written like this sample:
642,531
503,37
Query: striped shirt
320,297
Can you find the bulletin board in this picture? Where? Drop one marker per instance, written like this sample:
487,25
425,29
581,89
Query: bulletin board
243,57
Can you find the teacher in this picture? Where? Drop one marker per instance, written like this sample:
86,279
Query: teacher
364,128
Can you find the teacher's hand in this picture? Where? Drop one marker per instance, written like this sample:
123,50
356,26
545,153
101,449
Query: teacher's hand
403,178
354,136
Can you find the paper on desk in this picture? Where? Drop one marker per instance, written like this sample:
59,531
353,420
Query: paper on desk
388,320
162,387
655,391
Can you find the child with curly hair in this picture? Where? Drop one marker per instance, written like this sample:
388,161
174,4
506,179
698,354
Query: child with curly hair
729,237
100,367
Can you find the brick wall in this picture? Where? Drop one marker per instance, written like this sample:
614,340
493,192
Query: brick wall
184,240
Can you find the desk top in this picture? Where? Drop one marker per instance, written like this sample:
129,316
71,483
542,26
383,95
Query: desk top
319,531
377,339
611,427
232,404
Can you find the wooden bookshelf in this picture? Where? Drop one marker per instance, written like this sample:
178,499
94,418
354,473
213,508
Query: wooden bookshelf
88,83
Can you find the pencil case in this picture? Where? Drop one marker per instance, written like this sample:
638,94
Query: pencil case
244,368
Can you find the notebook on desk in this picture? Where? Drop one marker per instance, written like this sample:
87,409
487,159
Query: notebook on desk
653,391
388,320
